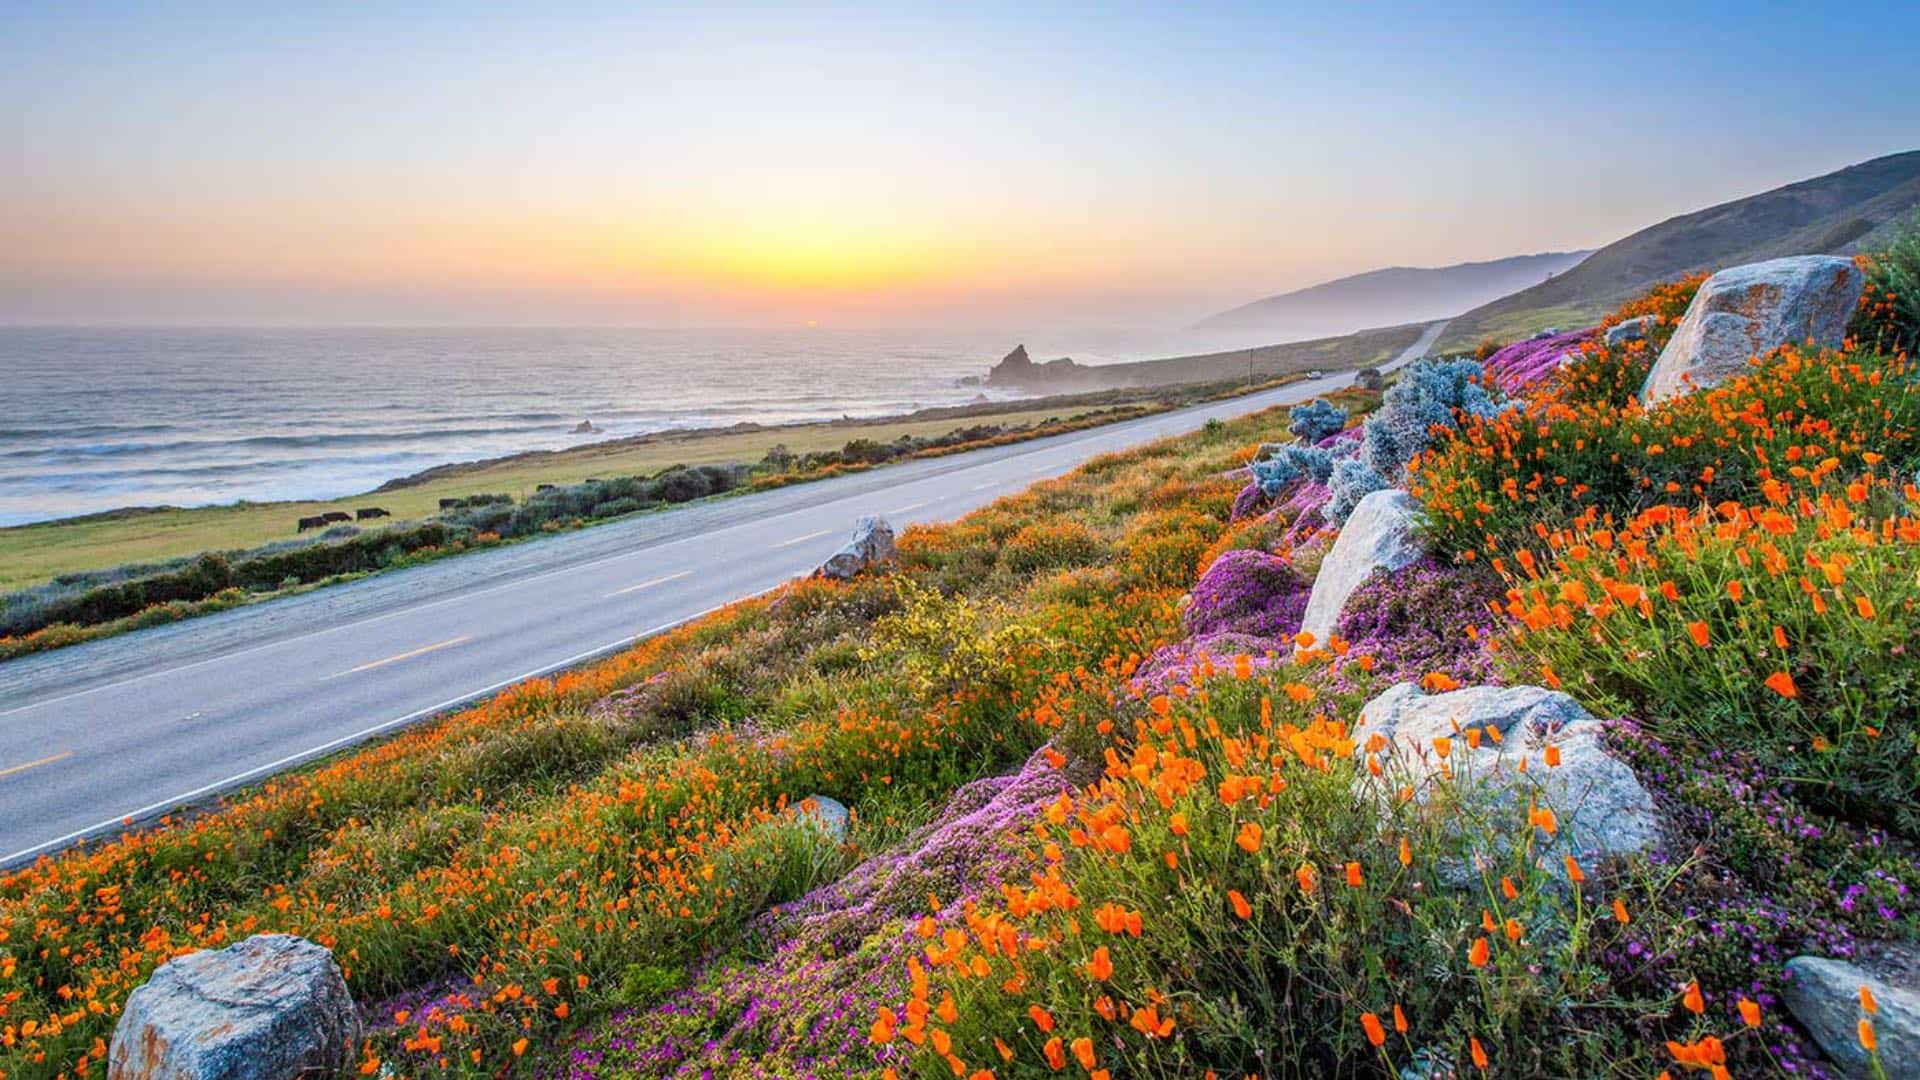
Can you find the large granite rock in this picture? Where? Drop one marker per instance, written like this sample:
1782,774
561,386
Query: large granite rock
1601,809
1824,995
272,1007
1748,311
1379,534
872,544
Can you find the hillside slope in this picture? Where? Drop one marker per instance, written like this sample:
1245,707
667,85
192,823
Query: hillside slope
1831,214
1397,294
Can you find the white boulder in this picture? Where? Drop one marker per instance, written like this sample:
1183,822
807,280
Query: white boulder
1380,534
872,544
1748,311
273,1006
1601,810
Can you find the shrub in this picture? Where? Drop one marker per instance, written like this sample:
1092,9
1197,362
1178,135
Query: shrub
1430,394
1417,619
1611,376
35,609
1781,627
1290,463
680,484
1221,900
1351,480
1049,546
370,550
1316,420
1888,319
1248,592
1526,362
1556,460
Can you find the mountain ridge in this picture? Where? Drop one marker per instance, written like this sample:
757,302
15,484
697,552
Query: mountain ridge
1392,294
1837,213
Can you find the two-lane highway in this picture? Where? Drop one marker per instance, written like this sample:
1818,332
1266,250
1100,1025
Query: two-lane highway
135,726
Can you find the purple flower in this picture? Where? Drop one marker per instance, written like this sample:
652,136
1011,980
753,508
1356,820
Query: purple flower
1525,362
1248,592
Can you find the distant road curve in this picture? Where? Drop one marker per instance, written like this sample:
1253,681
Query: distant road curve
131,727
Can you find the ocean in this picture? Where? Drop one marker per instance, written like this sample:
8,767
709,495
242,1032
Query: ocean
99,419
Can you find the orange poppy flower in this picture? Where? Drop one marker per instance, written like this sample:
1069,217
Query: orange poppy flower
1307,878
1371,1025
1695,1003
1101,966
1249,837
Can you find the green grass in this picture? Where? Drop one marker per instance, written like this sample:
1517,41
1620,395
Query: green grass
1508,326
30,554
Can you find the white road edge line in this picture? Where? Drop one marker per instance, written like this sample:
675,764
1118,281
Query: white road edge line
308,754
345,740
650,584
910,507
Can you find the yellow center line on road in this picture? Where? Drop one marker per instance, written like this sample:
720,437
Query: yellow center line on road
397,657
650,584
24,766
803,539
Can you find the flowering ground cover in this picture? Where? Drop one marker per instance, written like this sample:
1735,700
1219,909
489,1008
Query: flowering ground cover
1112,814
522,866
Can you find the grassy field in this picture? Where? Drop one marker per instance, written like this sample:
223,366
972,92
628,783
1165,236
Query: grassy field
34,553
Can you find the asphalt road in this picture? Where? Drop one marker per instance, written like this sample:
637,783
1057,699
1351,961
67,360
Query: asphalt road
134,726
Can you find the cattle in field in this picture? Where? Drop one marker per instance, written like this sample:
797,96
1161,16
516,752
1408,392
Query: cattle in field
366,512
317,521
336,516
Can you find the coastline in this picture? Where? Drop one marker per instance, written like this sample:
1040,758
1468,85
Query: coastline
40,551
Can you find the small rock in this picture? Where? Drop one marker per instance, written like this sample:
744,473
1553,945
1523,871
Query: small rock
1601,808
1632,330
1379,534
1824,995
872,544
832,814
1749,311
273,1006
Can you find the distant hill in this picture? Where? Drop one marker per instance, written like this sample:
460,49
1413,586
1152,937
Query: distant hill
1396,295
1362,349
1838,213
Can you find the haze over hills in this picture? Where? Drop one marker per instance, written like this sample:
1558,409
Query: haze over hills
1839,213
1397,294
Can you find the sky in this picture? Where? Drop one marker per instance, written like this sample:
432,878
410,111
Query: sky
878,165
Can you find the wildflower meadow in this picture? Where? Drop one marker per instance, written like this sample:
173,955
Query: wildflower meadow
1112,813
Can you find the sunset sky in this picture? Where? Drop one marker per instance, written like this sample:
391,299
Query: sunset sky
767,166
